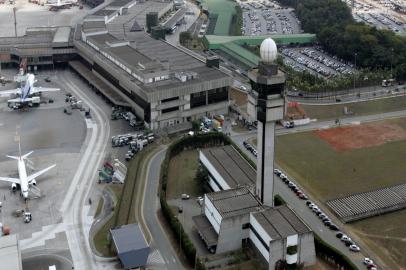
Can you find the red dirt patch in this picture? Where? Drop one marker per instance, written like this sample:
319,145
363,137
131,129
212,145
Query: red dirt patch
360,136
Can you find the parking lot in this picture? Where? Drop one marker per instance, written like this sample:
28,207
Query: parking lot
262,18
382,14
316,61
381,21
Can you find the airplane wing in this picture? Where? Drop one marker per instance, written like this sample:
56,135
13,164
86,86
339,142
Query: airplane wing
43,89
35,175
11,180
10,92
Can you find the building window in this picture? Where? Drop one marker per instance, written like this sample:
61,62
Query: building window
198,99
245,226
218,95
169,99
172,109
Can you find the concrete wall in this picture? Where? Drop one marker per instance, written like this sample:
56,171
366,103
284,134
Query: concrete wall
212,214
231,233
306,249
276,252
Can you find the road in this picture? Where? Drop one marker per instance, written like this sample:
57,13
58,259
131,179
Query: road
74,210
150,207
73,207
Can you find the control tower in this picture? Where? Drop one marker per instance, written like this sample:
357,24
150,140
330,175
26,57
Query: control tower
266,104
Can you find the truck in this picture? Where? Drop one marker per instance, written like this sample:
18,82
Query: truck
389,82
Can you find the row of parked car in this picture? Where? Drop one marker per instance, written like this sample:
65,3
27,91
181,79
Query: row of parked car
250,148
317,211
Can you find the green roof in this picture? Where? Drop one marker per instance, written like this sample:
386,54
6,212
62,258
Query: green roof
214,41
241,54
223,11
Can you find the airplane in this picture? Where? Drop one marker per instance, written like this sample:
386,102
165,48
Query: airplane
25,93
24,181
59,5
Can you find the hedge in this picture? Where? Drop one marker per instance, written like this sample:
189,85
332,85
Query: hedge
324,249
196,141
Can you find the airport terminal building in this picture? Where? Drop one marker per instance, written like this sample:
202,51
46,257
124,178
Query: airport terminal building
164,85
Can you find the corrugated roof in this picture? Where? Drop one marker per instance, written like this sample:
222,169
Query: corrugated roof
234,169
234,202
280,222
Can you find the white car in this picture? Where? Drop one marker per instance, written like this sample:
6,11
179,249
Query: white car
368,261
355,248
345,238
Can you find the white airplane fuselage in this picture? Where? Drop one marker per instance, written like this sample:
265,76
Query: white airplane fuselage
22,173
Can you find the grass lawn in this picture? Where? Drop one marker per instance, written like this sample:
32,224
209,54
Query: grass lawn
327,174
386,236
360,108
181,175
99,207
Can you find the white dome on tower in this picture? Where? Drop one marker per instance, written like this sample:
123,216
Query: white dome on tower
268,51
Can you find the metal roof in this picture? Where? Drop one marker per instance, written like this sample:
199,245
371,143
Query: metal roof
62,35
10,256
280,222
132,249
234,169
234,202
104,12
176,17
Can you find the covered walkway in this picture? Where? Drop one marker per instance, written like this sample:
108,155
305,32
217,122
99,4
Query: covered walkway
97,83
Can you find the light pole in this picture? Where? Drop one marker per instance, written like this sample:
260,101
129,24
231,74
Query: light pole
355,69
391,59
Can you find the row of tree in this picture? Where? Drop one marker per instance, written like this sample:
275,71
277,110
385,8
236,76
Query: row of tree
337,31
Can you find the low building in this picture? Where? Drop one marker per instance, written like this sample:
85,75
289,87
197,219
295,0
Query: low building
228,213
280,235
227,168
131,246
232,217
10,254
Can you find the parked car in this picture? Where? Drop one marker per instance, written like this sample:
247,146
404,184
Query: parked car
354,248
368,261
185,196
334,227
308,202
339,235
303,196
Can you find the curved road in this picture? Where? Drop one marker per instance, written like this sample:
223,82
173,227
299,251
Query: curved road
150,207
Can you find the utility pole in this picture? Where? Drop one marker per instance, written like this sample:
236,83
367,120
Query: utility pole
391,60
355,66
15,21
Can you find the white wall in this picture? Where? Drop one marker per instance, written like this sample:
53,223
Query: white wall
212,214
291,259
259,245
254,223
213,171
292,240
213,185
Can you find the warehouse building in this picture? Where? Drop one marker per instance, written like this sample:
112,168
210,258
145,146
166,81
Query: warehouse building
227,169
